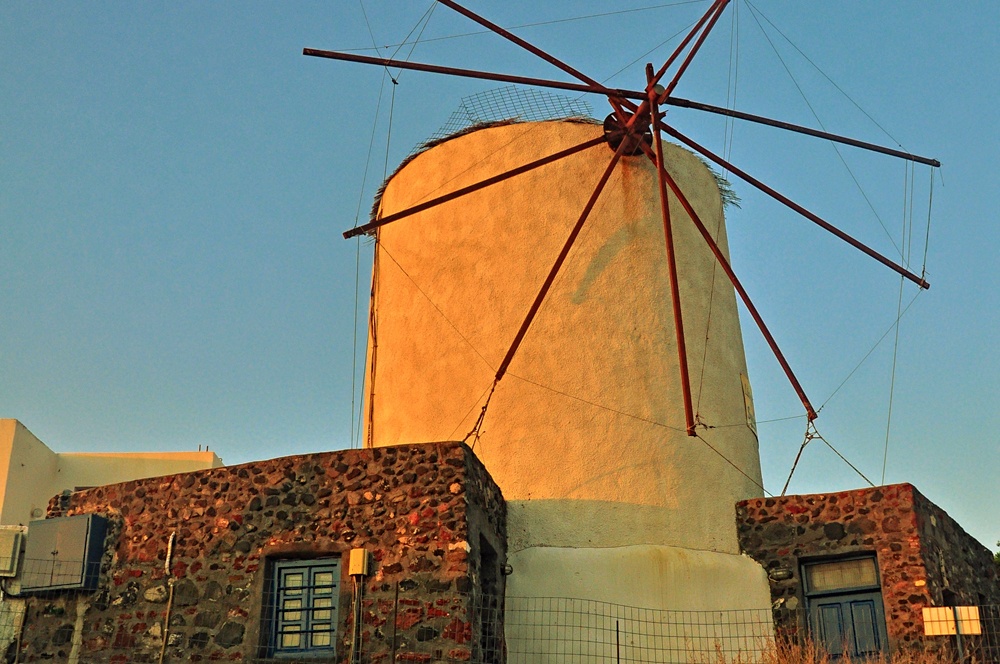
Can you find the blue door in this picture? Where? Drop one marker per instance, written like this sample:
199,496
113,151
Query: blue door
844,599
849,624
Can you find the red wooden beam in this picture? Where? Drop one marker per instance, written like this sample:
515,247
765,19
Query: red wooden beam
675,291
559,261
768,337
920,281
717,9
699,106
474,73
420,207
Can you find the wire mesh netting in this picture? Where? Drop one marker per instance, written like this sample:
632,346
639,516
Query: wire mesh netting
511,103
587,631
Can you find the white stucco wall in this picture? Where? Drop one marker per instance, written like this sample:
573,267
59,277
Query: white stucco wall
585,435
31,473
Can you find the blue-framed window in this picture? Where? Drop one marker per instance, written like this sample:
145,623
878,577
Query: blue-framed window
306,594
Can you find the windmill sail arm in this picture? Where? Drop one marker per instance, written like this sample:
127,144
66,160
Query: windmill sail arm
750,117
560,259
474,73
496,179
741,291
746,177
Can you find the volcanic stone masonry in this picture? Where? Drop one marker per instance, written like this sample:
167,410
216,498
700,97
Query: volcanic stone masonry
430,516
924,557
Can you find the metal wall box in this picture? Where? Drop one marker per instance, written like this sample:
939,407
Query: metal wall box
64,553
11,540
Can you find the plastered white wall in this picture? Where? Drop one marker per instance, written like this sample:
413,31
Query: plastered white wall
585,435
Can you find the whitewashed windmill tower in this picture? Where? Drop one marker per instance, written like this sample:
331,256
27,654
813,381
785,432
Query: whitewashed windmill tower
572,306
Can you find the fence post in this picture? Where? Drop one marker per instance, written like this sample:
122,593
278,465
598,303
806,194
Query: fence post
958,634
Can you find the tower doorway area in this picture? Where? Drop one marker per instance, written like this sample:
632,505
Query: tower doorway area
844,601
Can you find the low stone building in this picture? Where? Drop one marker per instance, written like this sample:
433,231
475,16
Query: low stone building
244,563
864,564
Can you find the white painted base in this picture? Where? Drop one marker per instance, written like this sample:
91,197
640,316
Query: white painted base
654,577
635,604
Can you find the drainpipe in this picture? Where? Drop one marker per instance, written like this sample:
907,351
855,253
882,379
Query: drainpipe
165,632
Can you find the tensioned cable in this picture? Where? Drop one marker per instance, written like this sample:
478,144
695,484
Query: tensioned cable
539,23
759,422
892,382
373,309
815,115
492,386
425,20
812,433
357,258
927,237
638,418
826,76
870,351
843,458
730,126
907,239
438,309
646,54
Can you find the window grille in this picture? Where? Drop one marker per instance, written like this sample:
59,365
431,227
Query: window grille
305,616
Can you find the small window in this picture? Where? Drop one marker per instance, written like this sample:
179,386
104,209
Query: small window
306,594
841,575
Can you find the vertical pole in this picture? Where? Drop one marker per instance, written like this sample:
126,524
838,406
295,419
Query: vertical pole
618,646
395,614
668,235
958,635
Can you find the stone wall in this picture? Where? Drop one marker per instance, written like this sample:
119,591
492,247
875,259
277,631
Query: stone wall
423,512
920,550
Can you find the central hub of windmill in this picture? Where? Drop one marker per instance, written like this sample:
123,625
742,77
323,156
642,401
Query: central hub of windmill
616,133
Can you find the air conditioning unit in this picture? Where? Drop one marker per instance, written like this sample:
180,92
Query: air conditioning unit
64,553
11,544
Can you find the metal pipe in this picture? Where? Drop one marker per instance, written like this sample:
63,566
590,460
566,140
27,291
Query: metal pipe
699,106
810,411
474,73
378,223
920,281
675,291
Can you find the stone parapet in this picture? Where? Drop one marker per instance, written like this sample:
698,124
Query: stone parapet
924,557
422,512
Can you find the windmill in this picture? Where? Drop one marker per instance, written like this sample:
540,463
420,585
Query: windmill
628,130
584,506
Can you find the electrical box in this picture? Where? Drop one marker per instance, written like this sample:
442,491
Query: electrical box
359,563
64,553
11,541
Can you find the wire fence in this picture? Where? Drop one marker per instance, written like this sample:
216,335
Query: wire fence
297,611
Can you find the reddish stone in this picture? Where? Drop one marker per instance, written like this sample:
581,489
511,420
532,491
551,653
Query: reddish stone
413,657
458,631
407,618
460,654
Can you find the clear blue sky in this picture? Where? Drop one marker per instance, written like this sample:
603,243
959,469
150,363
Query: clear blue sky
174,179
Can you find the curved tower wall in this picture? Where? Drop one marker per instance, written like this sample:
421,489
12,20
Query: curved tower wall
585,434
